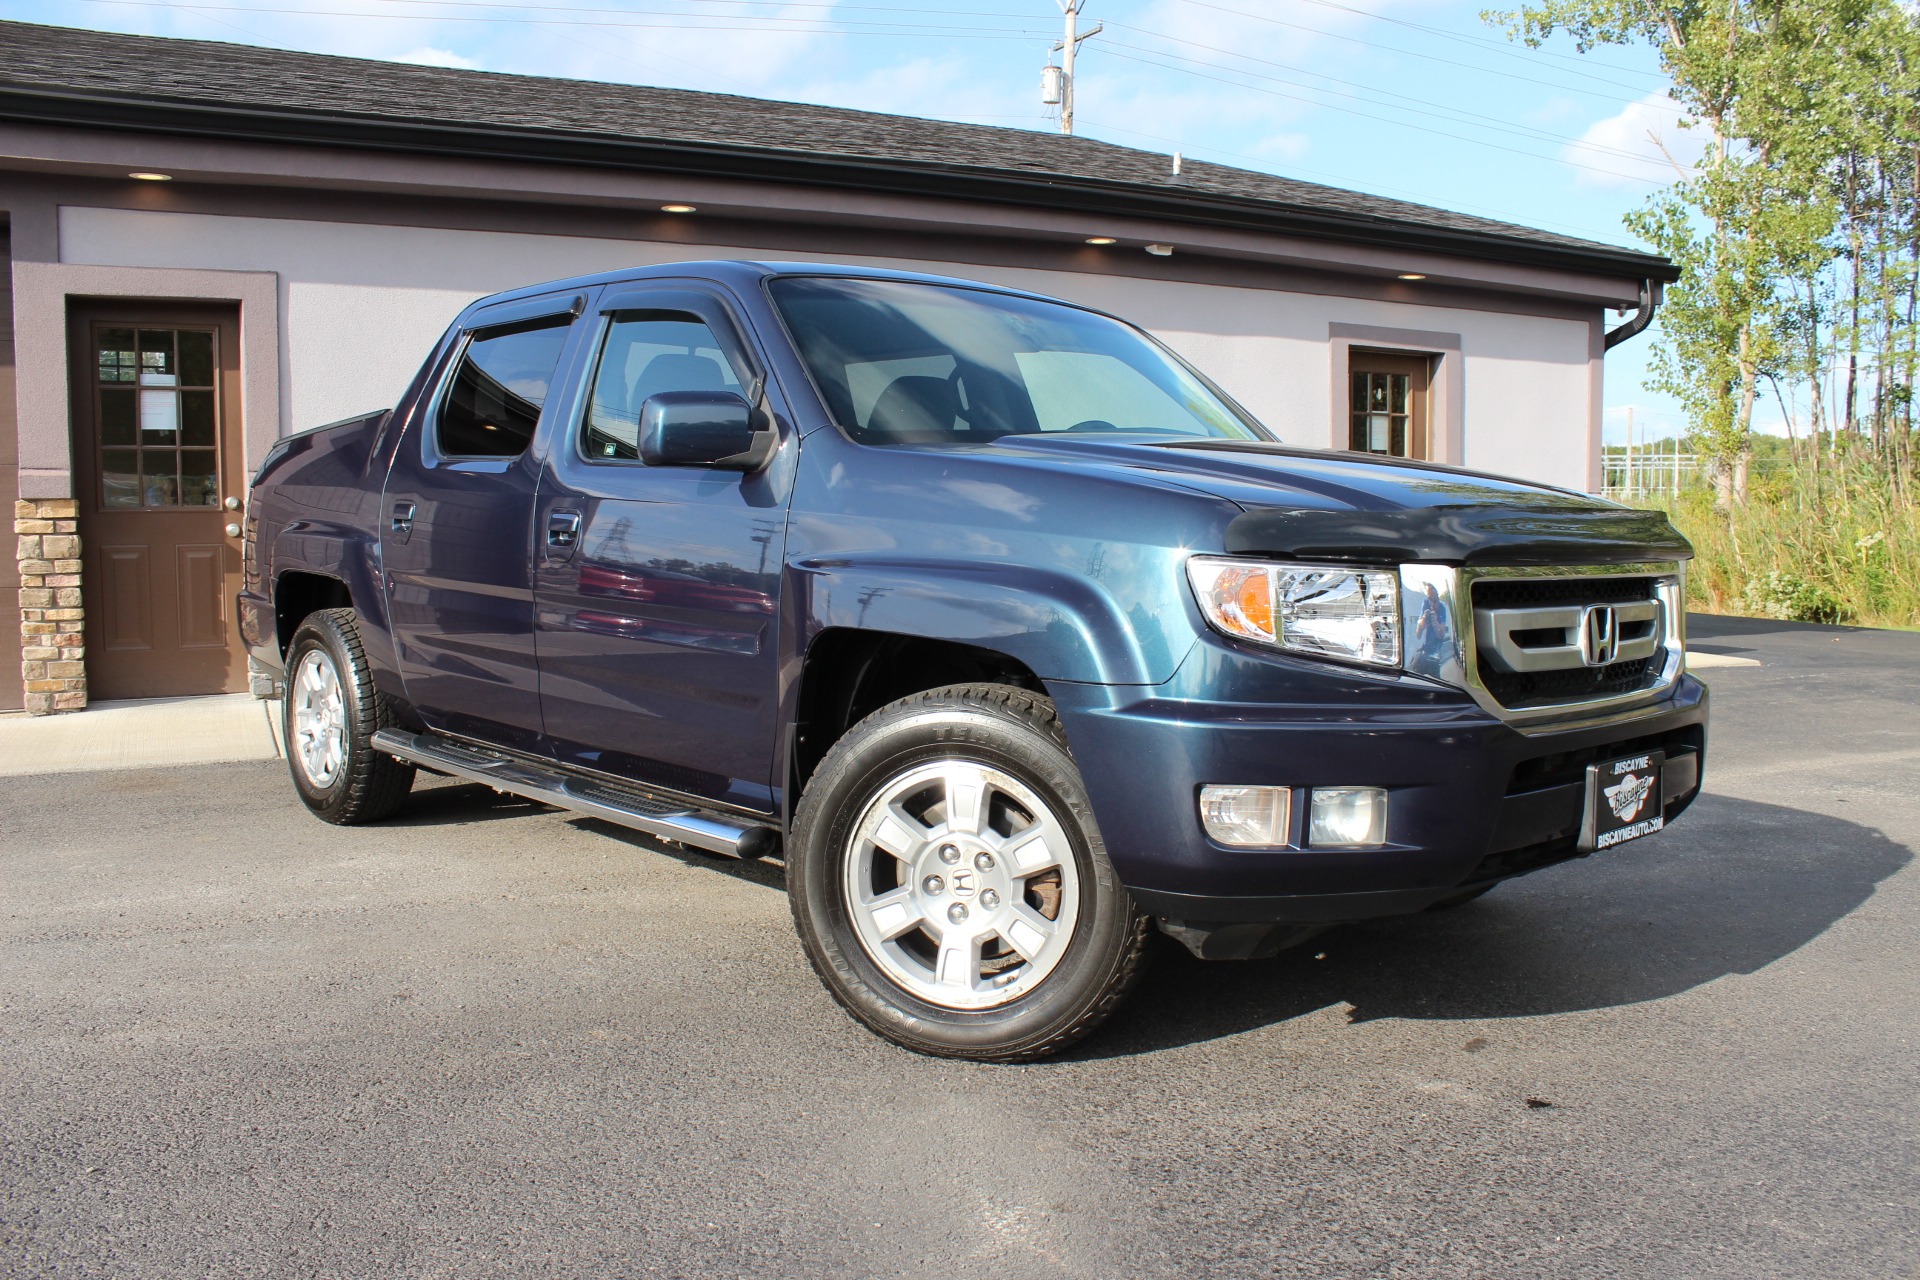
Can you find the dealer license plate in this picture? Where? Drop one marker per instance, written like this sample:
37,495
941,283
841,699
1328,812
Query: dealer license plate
1623,800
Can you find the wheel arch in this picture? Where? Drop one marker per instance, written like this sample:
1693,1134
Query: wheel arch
848,673
300,593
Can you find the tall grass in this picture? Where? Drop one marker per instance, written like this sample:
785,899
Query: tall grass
1840,547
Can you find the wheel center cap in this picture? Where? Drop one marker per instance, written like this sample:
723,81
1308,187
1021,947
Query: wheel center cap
964,883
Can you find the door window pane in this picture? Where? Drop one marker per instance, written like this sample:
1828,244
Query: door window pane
196,418
155,392
159,415
196,358
156,359
199,478
116,416
120,478
494,403
645,356
160,477
117,361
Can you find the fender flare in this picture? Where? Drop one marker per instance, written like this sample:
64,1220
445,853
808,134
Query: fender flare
1058,625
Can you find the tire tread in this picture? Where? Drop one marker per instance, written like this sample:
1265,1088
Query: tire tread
376,784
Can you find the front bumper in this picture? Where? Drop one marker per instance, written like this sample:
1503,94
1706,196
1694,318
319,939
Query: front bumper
1472,799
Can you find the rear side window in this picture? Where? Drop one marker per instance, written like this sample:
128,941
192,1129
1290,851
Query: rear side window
494,403
646,354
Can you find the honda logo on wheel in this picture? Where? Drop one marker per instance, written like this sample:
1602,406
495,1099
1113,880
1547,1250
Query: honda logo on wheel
1599,635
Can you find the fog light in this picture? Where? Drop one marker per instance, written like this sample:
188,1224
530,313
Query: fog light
1247,816
1348,818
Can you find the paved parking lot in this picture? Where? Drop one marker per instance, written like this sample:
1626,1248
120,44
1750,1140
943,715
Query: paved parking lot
493,1040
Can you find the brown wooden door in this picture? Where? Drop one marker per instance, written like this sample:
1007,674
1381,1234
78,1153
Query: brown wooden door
157,458
1387,411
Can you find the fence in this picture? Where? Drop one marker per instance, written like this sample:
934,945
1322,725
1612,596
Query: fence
1629,473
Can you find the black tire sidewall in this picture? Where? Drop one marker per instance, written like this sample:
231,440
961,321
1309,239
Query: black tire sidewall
923,730
326,631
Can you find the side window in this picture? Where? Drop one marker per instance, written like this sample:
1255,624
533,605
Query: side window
494,403
644,355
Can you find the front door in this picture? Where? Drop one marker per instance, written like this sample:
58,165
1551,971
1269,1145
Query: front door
657,586
160,475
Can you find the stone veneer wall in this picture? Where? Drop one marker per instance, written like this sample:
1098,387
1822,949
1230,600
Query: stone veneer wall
52,622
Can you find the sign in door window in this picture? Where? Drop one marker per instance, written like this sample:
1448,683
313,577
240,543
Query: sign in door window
158,418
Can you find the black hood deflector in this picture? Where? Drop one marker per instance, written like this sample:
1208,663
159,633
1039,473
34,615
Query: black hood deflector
1461,535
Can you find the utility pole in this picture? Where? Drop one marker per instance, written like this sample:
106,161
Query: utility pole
1067,48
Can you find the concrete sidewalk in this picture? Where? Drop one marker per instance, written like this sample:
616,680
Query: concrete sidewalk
150,733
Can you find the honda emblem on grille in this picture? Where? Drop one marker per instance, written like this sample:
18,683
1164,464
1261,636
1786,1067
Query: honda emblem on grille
1599,635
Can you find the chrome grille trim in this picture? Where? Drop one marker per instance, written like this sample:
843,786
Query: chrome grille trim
1449,649
1504,635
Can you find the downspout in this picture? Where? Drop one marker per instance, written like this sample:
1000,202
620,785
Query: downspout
1649,303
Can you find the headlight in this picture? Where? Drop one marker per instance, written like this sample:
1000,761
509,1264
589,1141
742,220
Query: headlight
1321,611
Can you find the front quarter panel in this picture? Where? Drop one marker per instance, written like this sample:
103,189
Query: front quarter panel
1077,575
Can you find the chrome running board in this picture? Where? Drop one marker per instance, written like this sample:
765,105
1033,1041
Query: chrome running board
624,804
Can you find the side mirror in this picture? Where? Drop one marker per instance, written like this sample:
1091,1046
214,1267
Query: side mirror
697,429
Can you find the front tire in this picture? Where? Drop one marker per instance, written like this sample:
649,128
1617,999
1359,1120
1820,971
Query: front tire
950,885
331,712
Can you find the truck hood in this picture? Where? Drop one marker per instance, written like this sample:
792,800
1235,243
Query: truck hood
1358,508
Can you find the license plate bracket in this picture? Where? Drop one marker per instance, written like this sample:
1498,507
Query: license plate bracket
1624,800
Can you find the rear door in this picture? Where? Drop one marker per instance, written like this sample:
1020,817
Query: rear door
657,586
457,526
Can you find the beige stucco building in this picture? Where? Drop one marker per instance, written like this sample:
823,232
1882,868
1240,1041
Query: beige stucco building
306,226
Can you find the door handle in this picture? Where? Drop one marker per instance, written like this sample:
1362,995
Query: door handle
402,523
563,529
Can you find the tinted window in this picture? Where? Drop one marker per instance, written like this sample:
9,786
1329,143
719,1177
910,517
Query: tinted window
494,403
645,355
904,363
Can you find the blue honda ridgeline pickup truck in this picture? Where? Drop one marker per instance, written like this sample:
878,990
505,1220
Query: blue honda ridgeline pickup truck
1009,632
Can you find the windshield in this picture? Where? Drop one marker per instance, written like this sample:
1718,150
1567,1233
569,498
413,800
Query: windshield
920,364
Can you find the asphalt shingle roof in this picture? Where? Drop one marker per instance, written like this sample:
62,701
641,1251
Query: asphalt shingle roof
45,71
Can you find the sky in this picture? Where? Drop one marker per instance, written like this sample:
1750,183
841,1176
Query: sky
1416,99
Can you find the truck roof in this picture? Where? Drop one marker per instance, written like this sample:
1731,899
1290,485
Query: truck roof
742,272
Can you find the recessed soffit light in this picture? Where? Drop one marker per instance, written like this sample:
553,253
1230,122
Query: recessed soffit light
1411,275
152,177
1100,240
677,208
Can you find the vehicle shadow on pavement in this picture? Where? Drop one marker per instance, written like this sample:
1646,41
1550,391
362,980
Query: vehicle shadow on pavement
434,803
1734,888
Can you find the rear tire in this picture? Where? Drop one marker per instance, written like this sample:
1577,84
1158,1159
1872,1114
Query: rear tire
329,717
950,885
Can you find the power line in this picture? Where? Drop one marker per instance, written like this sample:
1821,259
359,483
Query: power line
1368,93
1504,48
1398,124
1344,181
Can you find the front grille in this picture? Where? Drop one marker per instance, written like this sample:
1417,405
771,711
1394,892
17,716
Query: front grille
1575,684
1508,593
1540,663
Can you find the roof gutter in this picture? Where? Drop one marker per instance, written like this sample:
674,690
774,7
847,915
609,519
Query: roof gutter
1649,303
45,105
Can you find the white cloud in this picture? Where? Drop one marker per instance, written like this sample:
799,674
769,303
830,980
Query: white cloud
427,56
1646,140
